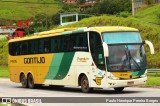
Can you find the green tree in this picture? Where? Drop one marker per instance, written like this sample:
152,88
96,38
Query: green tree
81,1
41,22
111,7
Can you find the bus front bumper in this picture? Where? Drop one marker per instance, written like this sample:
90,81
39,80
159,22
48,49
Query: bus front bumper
126,83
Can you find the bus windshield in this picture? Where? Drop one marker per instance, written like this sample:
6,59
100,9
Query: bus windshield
126,51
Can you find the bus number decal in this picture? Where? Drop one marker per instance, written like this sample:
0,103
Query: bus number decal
34,60
98,80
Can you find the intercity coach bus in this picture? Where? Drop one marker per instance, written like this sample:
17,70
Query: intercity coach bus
95,57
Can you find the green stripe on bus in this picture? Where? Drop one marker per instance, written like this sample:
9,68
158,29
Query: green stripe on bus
138,73
141,72
67,32
65,65
54,66
135,73
78,31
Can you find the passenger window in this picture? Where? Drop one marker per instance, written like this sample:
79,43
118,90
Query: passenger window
81,42
33,46
23,47
41,45
47,47
66,43
55,44
73,43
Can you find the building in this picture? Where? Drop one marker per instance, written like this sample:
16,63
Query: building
24,23
7,29
88,4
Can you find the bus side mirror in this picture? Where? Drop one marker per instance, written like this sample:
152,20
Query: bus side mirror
150,46
105,49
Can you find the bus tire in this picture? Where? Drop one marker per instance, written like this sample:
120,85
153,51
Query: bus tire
119,89
23,81
31,81
85,85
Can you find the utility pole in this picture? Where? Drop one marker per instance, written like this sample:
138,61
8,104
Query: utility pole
45,4
133,10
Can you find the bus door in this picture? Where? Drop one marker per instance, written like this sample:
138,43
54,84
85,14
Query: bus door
98,65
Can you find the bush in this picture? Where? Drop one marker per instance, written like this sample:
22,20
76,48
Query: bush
158,15
3,51
124,14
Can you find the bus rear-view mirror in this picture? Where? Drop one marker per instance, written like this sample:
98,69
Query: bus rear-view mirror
150,46
105,49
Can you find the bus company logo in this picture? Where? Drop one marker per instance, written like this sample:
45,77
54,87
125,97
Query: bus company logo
34,60
123,74
85,59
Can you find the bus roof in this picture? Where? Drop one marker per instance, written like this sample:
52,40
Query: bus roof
112,29
65,31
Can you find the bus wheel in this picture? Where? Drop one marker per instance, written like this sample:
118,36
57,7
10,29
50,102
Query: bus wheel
85,85
31,81
23,81
119,89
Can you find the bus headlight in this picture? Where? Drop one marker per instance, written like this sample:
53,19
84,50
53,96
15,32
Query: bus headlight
113,77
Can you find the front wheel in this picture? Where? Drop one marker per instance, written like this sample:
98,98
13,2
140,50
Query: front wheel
85,85
119,89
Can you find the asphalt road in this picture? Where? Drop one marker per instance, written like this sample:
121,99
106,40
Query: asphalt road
10,89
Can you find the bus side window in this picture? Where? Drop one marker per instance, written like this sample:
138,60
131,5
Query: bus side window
31,45
72,44
47,47
55,44
24,48
81,42
11,49
41,45
65,43
16,48
96,50
36,46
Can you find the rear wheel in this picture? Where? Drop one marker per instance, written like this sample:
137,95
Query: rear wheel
119,89
85,85
23,81
31,81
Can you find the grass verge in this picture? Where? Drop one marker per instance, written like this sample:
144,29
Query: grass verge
4,71
153,79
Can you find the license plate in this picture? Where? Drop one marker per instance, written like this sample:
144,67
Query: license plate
130,83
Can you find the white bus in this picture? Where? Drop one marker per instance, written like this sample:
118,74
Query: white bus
95,57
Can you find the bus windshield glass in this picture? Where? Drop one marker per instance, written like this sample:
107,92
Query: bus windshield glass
126,51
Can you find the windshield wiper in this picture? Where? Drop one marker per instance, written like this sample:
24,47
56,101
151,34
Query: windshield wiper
130,57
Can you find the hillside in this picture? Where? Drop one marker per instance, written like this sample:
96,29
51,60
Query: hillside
148,32
24,9
149,14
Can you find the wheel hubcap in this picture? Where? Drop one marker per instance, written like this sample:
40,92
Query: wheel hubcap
85,84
